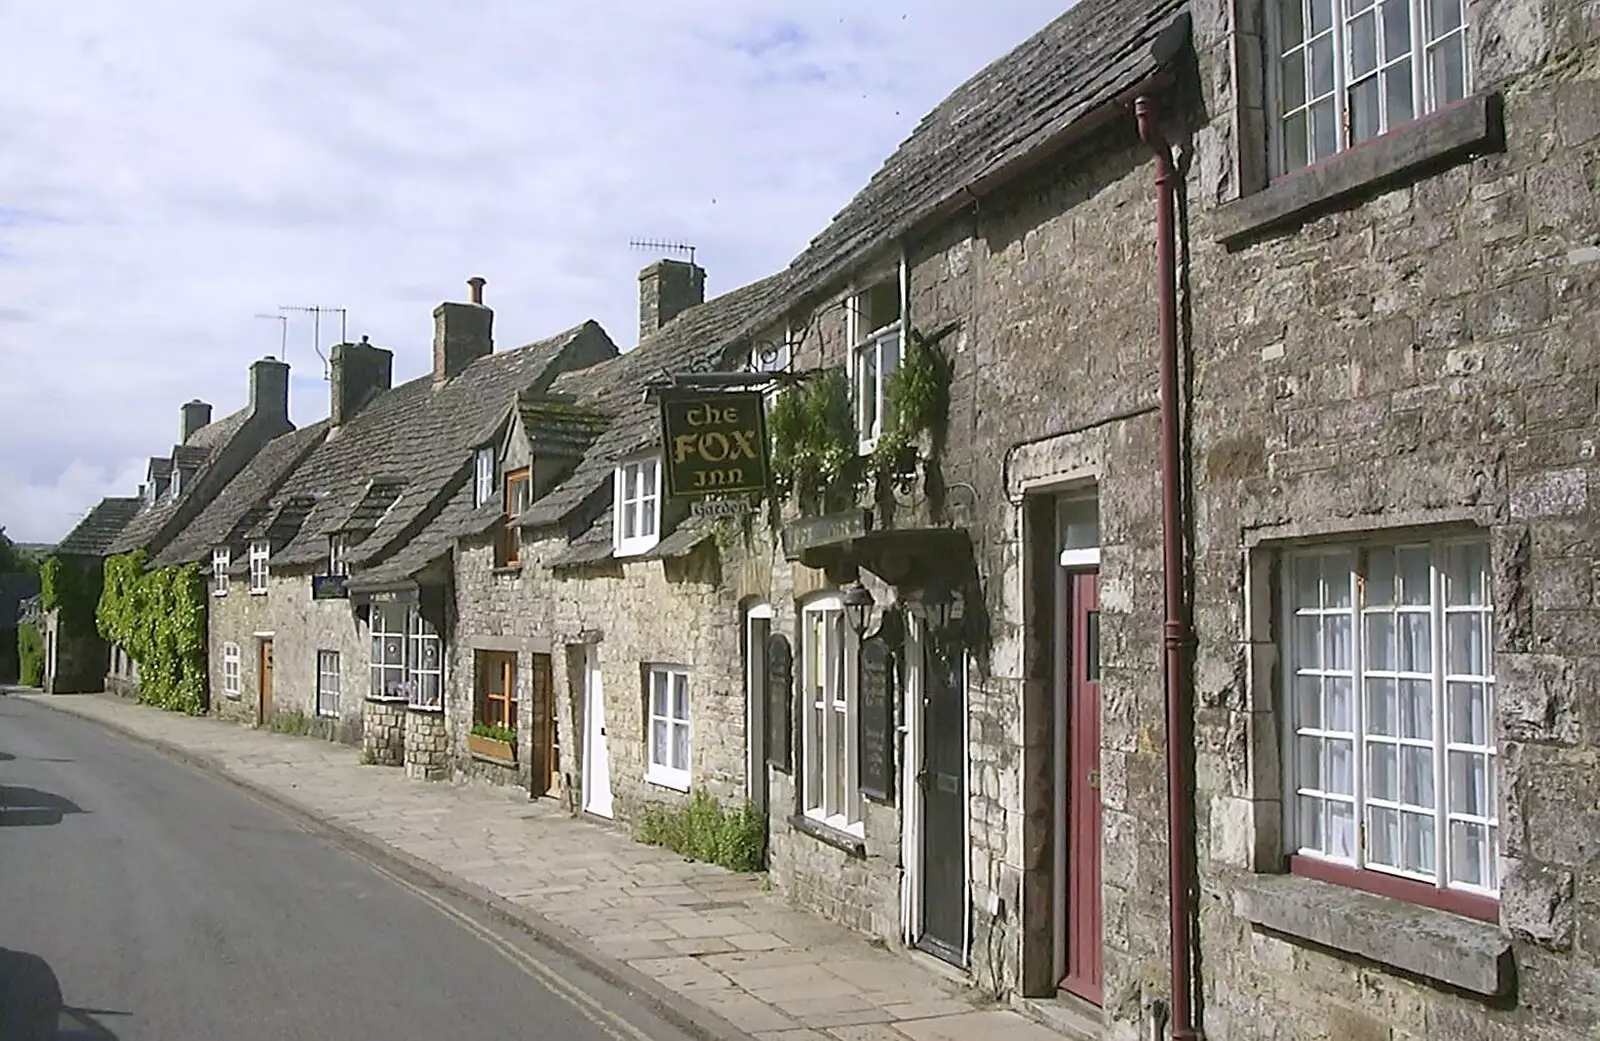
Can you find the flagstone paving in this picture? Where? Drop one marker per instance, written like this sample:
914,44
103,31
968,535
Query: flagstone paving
713,938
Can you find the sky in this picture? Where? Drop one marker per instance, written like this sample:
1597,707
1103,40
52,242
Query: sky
170,171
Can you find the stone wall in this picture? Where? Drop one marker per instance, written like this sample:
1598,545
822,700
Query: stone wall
383,732
427,745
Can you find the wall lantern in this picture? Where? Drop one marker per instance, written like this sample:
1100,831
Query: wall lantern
942,607
858,604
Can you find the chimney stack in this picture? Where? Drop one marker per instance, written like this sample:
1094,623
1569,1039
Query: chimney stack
269,388
358,372
666,289
462,333
193,415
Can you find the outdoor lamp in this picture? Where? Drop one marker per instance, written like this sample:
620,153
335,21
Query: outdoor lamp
942,607
858,603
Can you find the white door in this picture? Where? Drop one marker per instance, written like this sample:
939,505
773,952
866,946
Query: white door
596,760
758,626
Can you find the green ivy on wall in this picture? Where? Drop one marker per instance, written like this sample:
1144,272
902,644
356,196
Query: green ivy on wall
814,441
916,400
30,655
159,617
71,589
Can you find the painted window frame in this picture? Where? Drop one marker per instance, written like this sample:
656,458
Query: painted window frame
221,560
634,502
663,764
1355,603
260,566
231,664
338,554
424,682
506,662
510,552
1340,35
482,476
884,346
175,489
388,670
328,692
829,789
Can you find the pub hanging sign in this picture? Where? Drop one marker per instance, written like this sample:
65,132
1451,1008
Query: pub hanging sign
716,443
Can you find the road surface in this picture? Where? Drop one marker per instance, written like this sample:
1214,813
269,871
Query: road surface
143,900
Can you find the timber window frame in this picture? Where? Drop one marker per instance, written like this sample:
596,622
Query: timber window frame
482,476
221,560
260,565
492,706
636,518
1388,722
829,789
668,726
517,494
875,323
230,669
1342,72
328,683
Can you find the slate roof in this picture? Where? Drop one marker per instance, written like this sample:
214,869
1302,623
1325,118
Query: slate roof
189,457
436,540
416,430
225,518
93,536
698,340
219,432
1084,59
160,468
558,426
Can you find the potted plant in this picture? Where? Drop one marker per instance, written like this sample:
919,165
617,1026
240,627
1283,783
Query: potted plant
493,742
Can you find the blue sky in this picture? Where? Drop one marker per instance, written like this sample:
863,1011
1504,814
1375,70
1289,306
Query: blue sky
169,170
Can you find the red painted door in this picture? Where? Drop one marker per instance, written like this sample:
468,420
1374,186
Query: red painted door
1083,918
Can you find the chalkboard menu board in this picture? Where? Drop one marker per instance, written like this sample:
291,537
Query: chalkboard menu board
780,710
875,721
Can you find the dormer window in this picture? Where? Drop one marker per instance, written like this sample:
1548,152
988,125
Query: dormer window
150,493
177,485
220,559
260,553
337,562
876,327
637,517
482,476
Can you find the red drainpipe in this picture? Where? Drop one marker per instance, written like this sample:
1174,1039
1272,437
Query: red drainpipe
1180,732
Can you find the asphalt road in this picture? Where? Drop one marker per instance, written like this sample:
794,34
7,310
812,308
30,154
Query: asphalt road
143,900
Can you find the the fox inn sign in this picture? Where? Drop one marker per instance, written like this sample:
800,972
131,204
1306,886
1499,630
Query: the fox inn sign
716,443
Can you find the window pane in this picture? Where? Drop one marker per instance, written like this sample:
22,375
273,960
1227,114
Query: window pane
1293,81
680,746
1416,776
1416,710
1336,642
1465,570
1383,772
1321,15
1398,106
1416,642
1308,582
1291,22
1382,710
836,763
1336,695
1467,652
1339,761
1443,15
1379,647
630,521
1355,7
1363,43
1324,130
1383,826
1341,830
1379,591
1322,68
658,693
1416,843
1469,714
680,696
658,742
1308,702
1307,642
1295,154
1336,568
1469,853
1364,109
1469,784
1415,575
1309,766
1309,818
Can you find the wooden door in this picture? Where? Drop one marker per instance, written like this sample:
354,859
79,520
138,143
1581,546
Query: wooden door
264,682
1083,933
544,751
943,780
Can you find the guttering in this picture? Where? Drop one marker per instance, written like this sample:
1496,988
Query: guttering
1176,629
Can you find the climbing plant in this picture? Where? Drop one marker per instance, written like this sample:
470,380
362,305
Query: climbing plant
30,655
159,617
916,400
72,590
813,438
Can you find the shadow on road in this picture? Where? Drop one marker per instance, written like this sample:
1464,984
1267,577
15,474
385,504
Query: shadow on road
21,806
31,1008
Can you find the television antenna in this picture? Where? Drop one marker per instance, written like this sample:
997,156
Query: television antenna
667,247
283,322
316,314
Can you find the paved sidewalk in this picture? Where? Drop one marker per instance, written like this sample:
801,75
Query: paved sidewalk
697,938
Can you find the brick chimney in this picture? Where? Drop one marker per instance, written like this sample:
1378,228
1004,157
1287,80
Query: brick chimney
192,416
358,372
269,388
666,289
462,333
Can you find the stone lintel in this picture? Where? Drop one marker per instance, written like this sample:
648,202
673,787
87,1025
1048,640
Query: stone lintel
1461,952
1465,128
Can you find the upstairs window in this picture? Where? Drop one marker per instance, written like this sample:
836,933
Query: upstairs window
1343,71
638,506
338,560
519,485
482,476
177,484
220,559
260,553
150,493
875,333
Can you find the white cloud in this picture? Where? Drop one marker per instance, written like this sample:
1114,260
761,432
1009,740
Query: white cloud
172,168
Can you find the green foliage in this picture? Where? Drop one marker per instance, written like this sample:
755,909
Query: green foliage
495,732
814,441
72,589
13,558
705,831
30,654
159,618
290,721
917,399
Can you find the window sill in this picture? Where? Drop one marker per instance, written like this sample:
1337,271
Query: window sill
677,780
235,696
828,835
1436,945
258,592
219,592
432,710
507,570
1466,128
494,760
384,699
621,550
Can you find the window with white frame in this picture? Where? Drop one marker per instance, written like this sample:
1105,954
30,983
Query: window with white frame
338,560
220,561
482,476
177,484
767,356
1389,675
637,517
407,657
388,630
668,744
425,664
150,492
875,334
230,669
260,553
327,683
1344,71
831,791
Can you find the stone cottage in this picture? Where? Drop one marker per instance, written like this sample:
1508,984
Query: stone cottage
76,659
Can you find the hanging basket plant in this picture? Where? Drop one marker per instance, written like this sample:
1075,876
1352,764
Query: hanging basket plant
917,400
814,458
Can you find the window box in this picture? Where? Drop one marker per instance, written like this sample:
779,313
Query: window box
497,744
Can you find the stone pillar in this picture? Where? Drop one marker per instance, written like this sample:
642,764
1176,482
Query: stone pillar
427,746
383,732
